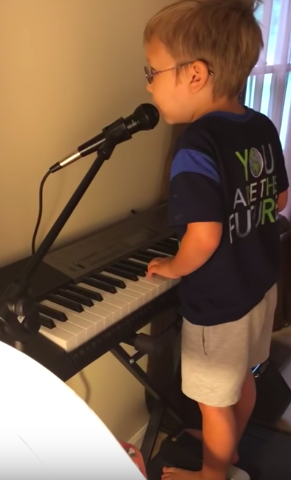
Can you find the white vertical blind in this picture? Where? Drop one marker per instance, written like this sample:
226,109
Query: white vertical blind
269,85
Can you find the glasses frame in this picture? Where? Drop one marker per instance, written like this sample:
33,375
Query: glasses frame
150,74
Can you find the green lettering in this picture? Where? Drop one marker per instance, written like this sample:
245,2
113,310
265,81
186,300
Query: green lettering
268,210
244,161
248,194
271,185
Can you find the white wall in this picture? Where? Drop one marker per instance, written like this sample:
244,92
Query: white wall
68,69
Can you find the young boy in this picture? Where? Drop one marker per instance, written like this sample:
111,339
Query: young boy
227,182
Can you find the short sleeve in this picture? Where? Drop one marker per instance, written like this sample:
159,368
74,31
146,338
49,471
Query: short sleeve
282,177
195,190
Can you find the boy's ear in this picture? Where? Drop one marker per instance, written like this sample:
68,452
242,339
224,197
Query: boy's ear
198,75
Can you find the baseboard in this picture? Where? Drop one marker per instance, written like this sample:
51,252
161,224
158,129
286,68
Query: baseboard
137,439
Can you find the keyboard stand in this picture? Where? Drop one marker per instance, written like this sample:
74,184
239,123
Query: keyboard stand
162,403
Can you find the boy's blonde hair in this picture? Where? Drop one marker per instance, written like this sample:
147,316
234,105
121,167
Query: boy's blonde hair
223,33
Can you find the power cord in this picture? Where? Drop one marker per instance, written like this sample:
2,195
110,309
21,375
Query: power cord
41,187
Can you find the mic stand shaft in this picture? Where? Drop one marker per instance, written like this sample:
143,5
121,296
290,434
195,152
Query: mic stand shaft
18,314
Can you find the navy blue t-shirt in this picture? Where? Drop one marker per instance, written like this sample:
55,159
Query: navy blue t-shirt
229,168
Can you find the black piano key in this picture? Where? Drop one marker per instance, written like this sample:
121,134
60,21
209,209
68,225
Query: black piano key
46,322
85,291
99,284
141,257
52,312
76,297
148,256
136,264
121,273
160,247
131,267
171,243
112,281
75,306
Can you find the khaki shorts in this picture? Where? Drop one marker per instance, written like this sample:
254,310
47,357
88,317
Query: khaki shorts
215,360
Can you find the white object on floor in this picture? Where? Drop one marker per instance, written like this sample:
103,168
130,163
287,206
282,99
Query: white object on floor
237,474
47,431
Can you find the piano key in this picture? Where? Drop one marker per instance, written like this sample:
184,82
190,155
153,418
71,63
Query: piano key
109,313
91,328
141,257
75,296
88,316
148,255
51,312
138,263
171,242
138,292
127,304
98,284
96,318
77,307
76,331
121,273
46,321
63,339
131,267
86,291
107,279
160,247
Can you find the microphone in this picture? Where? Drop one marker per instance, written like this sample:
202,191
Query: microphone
145,117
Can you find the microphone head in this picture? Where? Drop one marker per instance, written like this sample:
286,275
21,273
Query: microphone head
147,116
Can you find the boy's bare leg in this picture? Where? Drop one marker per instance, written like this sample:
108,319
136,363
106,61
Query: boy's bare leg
242,411
219,443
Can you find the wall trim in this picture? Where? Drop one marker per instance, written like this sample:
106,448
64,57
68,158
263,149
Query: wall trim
137,439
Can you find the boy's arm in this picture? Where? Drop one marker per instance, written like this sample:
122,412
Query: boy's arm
282,200
198,244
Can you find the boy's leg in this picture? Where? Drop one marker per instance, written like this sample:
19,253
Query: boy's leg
244,407
219,443
242,412
212,364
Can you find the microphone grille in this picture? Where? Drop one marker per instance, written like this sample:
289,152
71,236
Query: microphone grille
147,115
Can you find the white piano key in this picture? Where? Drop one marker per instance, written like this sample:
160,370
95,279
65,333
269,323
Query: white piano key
91,329
118,300
93,318
134,294
68,327
159,282
65,340
131,286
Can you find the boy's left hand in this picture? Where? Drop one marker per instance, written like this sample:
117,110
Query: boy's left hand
161,266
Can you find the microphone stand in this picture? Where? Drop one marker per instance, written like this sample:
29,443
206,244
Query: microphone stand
19,317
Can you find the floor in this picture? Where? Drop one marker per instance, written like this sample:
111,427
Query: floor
284,337
281,337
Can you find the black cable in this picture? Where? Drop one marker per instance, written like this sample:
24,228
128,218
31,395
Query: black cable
39,211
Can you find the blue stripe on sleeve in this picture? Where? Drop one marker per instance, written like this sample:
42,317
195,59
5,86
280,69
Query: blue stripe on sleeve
193,161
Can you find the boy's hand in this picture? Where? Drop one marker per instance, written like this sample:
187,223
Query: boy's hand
161,266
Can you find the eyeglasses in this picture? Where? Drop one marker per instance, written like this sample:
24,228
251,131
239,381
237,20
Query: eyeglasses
150,73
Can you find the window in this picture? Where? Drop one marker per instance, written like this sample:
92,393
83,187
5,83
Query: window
269,85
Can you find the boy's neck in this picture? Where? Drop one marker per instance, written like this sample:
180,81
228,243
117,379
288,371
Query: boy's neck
231,105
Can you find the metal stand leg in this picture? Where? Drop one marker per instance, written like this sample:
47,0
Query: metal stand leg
162,405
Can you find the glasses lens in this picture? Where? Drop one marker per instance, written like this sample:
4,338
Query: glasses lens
148,74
